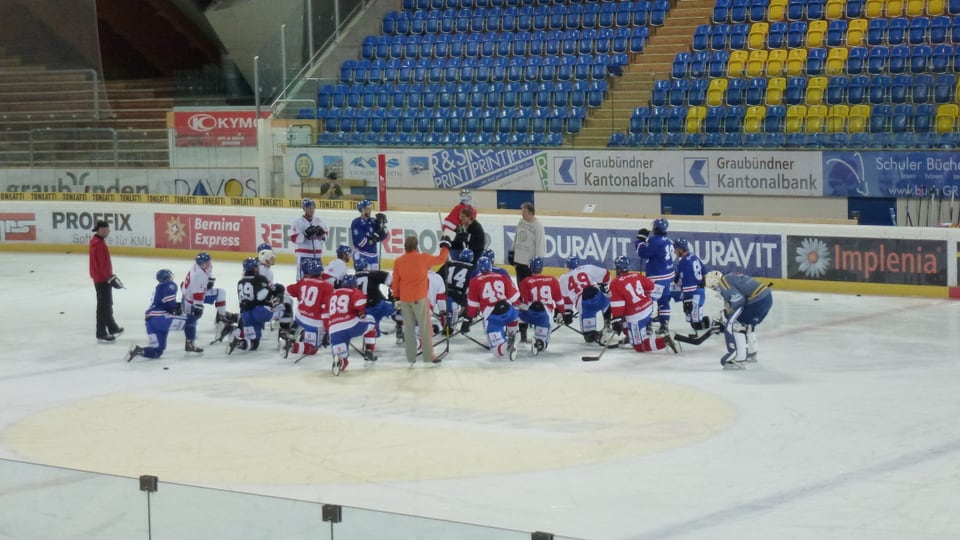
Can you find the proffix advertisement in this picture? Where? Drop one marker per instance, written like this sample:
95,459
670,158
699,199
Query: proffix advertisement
867,260
754,254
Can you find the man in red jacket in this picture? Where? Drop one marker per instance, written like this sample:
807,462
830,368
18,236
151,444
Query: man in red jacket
101,271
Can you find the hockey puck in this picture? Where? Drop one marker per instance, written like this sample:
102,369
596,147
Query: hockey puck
31,271
165,368
816,299
61,313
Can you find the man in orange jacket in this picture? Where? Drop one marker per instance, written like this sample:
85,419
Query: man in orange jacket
410,286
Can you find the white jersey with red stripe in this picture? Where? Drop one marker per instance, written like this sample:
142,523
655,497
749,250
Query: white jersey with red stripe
334,271
486,290
436,292
194,286
543,289
574,281
630,294
313,296
304,246
344,306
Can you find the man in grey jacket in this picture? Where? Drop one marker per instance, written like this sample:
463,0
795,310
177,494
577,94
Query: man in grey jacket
529,242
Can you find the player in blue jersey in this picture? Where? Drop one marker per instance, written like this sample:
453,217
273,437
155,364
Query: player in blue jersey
366,233
258,304
163,316
657,252
490,254
746,303
690,278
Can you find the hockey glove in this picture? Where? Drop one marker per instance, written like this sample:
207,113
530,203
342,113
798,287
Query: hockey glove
465,326
211,282
115,282
568,317
617,326
373,238
643,234
313,232
445,243
326,340
381,219
558,317
197,311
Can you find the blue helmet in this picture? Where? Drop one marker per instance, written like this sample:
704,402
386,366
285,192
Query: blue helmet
348,281
250,265
574,262
536,265
466,256
660,226
484,265
308,203
622,264
203,257
311,267
263,246
164,275
683,244
342,250
488,253
359,265
363,204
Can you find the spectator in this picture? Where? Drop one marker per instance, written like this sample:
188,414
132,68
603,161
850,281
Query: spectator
529,242
410,286
469,236
104,280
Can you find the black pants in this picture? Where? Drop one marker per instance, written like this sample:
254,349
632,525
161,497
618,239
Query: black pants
105,323
523,272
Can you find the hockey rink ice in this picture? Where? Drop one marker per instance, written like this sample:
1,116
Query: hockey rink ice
847,428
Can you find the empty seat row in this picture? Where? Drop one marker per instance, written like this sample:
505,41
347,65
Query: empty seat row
424,5
502,122
544,94
535,140
788,140
738,11
539,43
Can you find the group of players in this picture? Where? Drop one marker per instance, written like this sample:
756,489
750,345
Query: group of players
328,306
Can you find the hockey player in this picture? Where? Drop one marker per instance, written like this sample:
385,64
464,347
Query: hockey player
631,308
746,303
347,319
540,298
494,297
267,261
583,287
690,279
372,283
657,251
313,295
337,268
490,254
450,225
455,274
258,305
437,296
198,289
163,316
366,233
308,233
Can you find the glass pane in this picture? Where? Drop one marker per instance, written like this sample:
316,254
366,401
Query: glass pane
41,502
360,524
181,512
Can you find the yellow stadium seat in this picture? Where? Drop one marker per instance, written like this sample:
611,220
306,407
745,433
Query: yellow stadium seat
837,118
894,8
947,117
737,63
836,9
816,87
776,62
796,114
757,38
775,89
915,8
856,32
935,7
777,11
753,121
716,92
796,62
816,33
858,119
695,116
874,9
757,63
816,118
837,60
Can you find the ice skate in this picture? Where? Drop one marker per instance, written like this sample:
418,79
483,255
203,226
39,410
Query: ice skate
671,343
731,364
135,351
512,346
190,347
538,346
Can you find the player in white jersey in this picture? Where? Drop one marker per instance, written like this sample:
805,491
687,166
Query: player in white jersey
584,287
308,233
198,289
337,268
267,260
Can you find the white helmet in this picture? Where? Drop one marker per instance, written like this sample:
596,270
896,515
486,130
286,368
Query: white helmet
713,279
266,256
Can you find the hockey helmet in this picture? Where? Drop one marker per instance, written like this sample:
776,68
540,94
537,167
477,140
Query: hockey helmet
164,275
466,256
263,246
311,267
574,262
359,265
682,245
536,265
713,279
489,253
203,257
266,256
342,250
308,203
364,204
660,226
466,197
250,265
348,281
622,264
484,265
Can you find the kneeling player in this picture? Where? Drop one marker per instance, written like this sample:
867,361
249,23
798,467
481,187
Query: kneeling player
163,316
347,319
632,307
313,295
198,289
493,296
258,305
540,298
369,281
582,287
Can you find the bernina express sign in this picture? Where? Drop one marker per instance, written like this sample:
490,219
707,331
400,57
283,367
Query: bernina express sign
216,127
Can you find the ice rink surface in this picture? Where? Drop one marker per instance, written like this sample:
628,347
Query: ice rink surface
847,428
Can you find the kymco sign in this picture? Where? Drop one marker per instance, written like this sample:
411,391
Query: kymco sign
215,128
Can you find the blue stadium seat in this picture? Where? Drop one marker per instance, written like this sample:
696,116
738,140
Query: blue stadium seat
917,33
697,94
739,11
940,58
677,93
796,92
720,37
836,33
712,140
721,11
877,60
676,119
939,30
795,10
698,64
897,31
855,9
775,118
923,118
816,61
921,88
857,90
856,60
777,35
733,119
836,90
901,119
752,140
796,34
717,66
639,120
943,88
736,91
732,140
773,140
815,9
920,58
877,32
756,91
617,140
758,10
657,122
641,13
658,96
738,35
658,12
948,140
880,118
681,64
701,37
899,56
713,122
879,90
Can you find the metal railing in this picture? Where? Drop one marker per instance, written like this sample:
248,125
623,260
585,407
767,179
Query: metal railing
23,78
47,145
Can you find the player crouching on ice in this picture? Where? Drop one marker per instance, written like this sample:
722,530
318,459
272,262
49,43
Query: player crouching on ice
746,303
258,304
631,308
540,298
164,315
493,296
198,289
583,287
346,319
313,297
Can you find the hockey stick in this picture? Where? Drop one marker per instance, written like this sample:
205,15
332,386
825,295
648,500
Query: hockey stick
696,340
471,338
923,191
952,193
909,219
939,205
603,350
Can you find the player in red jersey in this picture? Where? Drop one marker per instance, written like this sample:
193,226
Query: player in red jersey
346,319
630,303
540,298
494,297
313,295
